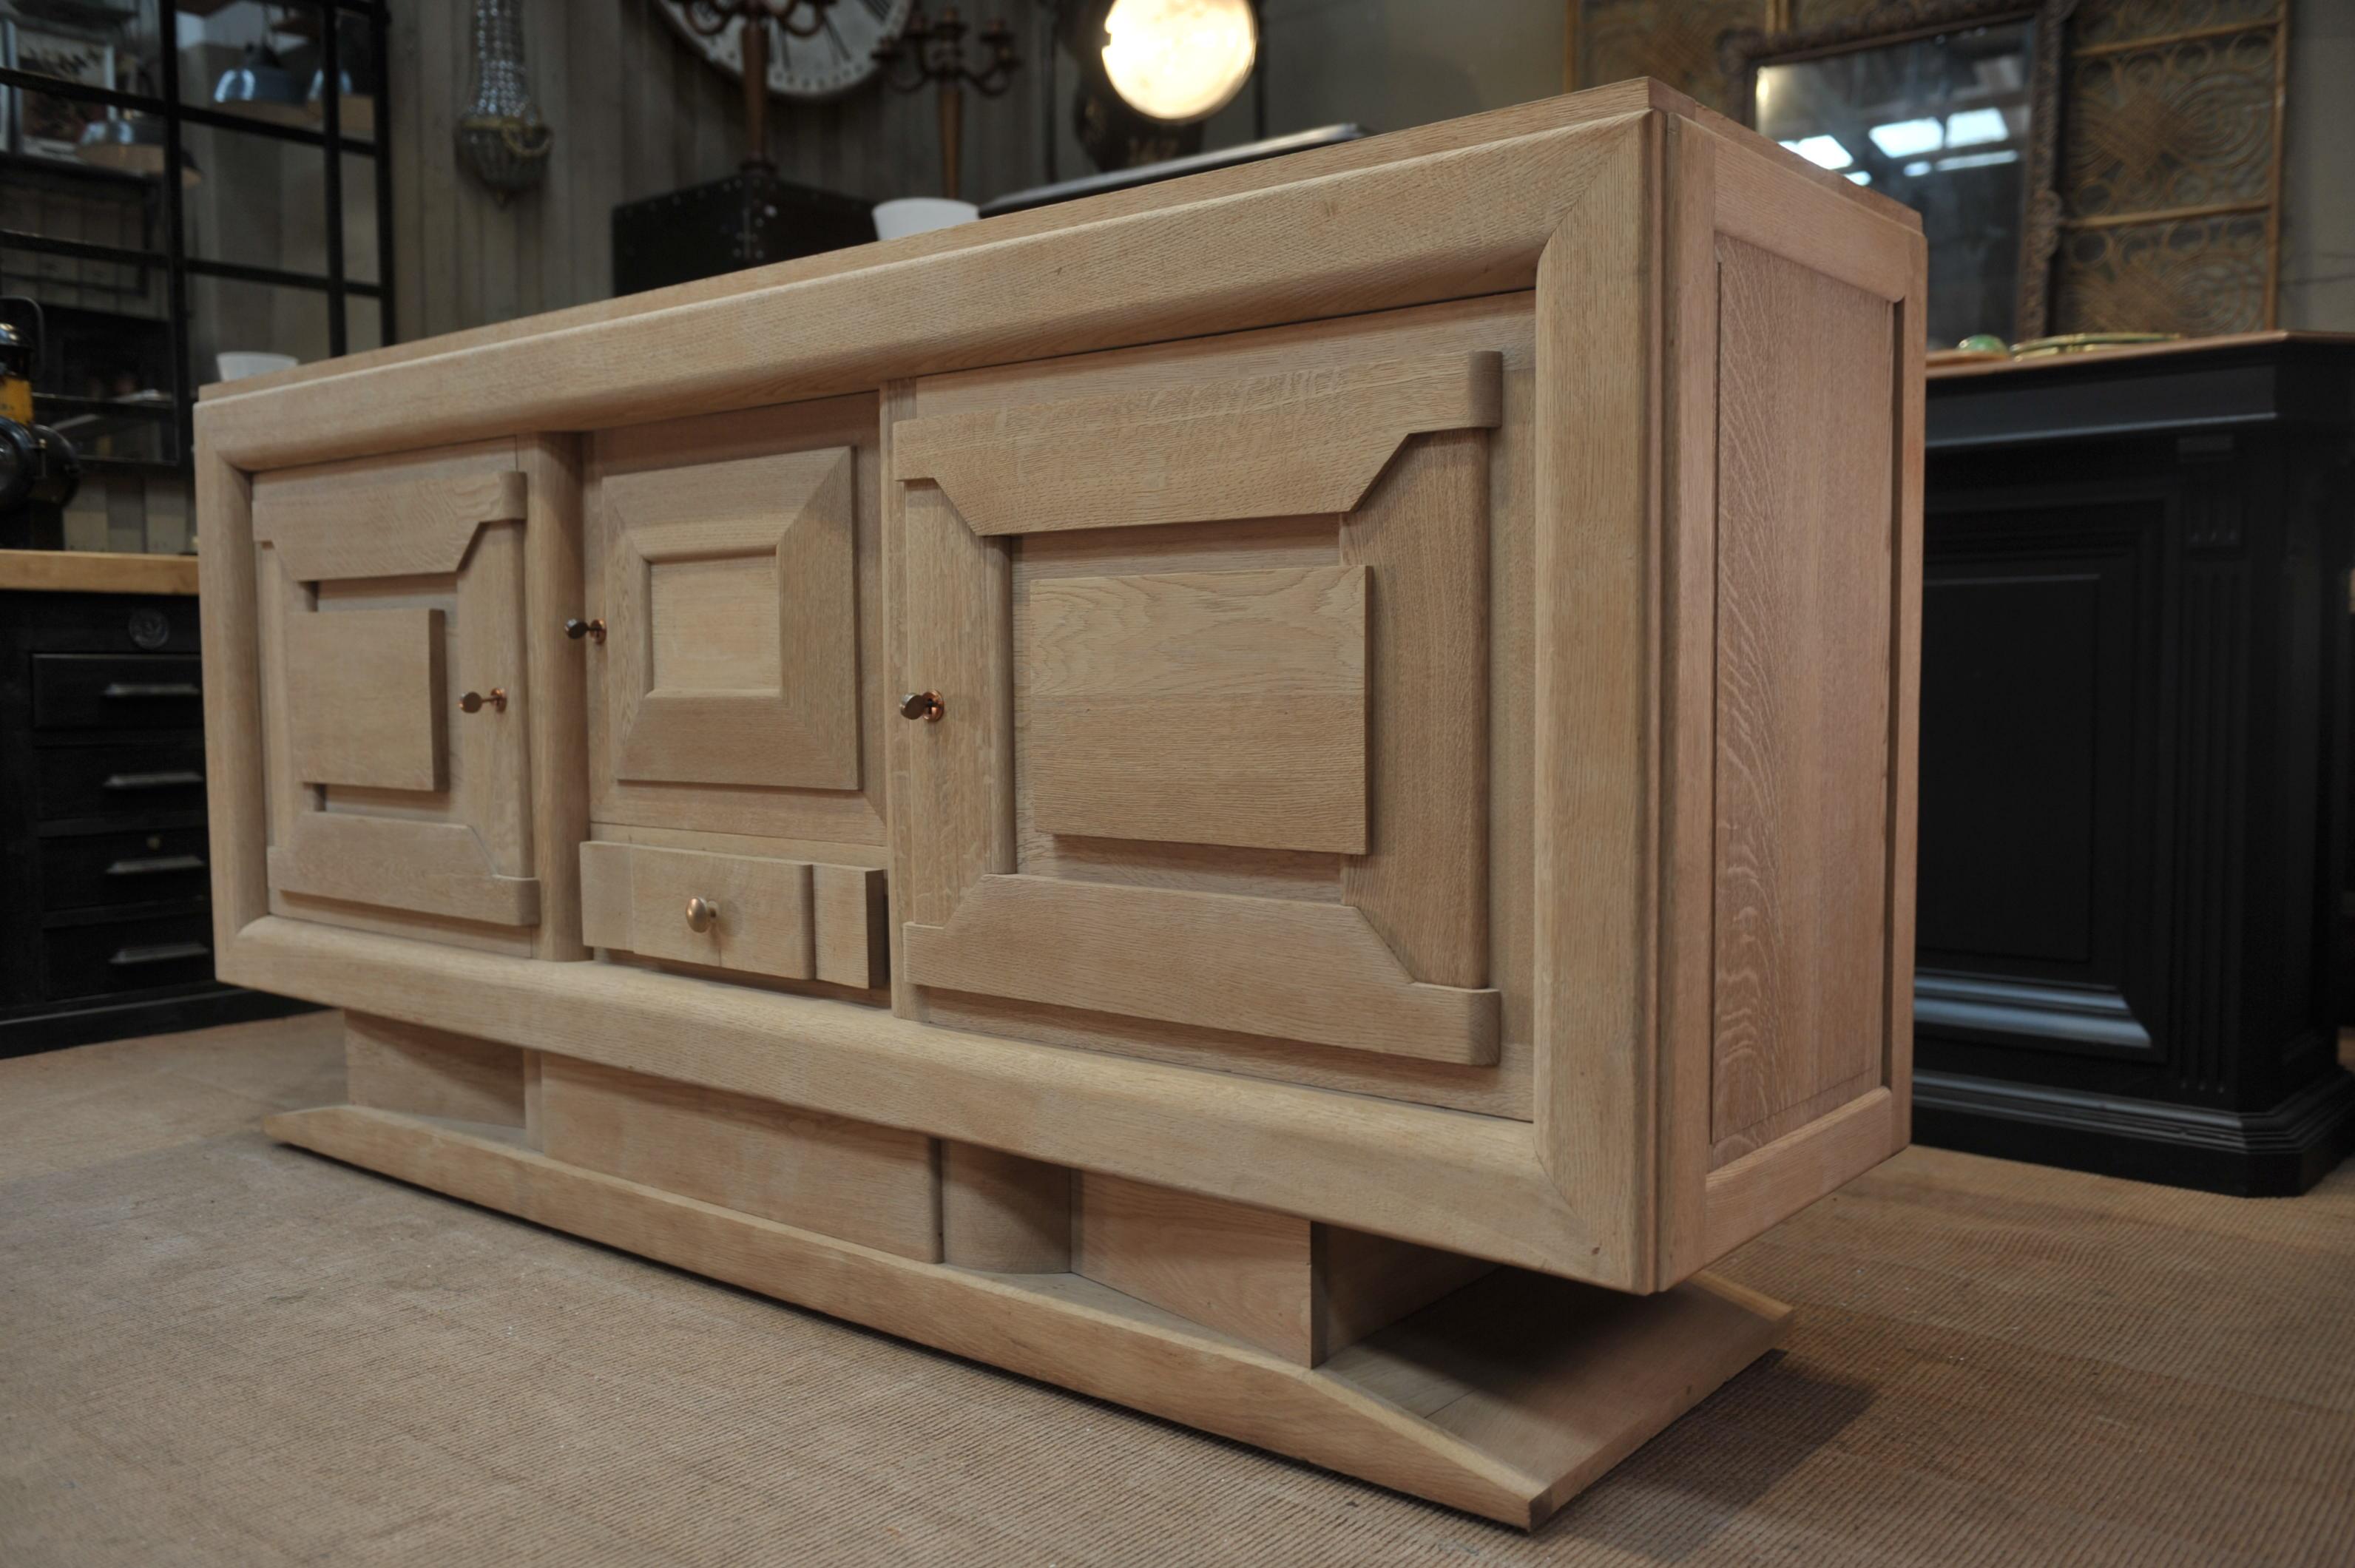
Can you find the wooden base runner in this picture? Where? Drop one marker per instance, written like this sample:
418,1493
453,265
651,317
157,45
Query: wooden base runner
1506,1398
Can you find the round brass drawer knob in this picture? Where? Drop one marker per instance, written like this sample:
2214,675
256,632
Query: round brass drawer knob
925,705
702,914
475,701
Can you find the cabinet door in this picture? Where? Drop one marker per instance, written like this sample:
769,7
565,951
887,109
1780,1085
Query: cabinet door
727,564
1208,630
396,696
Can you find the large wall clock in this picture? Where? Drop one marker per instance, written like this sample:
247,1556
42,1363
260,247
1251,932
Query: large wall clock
821,49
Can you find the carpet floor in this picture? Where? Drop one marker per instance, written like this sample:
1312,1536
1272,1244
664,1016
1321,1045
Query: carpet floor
214,1349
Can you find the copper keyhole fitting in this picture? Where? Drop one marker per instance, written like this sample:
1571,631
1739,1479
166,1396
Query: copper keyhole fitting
577,628
475,701
925,705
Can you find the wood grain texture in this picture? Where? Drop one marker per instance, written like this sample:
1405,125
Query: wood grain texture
875,1186
636,898
1267,446
1243,1272
657,461
1292,970
1505,1399
556,708
366,700
594,41
397,528
230,622
95,572
1365,1282
958,810
1003,1213
1220,262
731,607
1689,699
1203,708
1470,1184
1596,609
433,868
391,1066
852,918
1421,879
1803,692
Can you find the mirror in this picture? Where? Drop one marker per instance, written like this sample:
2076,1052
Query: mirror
1948,108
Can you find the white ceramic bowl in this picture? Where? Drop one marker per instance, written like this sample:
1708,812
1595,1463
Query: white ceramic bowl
236,365
916,214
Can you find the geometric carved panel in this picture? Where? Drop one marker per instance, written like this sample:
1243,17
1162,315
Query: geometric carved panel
364,700
1201,707
734,623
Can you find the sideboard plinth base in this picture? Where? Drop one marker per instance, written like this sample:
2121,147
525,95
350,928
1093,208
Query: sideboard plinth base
1505,1399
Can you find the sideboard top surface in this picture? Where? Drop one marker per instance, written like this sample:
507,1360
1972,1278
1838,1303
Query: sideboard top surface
1632,96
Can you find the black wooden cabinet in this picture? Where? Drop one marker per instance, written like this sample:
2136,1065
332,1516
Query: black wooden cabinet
2133,784
105,918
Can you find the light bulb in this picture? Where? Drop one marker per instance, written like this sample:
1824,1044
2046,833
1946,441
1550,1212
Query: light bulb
1180,60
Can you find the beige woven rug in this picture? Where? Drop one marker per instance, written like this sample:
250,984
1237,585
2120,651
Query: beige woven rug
215,1350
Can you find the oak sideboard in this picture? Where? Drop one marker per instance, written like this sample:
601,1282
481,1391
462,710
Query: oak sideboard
1285,798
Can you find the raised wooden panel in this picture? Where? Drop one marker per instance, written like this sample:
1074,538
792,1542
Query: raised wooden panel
1269,445
732,604
1290,969
382,526
367,699
1804,679
389,807
876,1186
439,868
1276,698
1208,708
736,561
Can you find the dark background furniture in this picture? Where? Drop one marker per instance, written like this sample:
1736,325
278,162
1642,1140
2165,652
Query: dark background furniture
2135,737
105,922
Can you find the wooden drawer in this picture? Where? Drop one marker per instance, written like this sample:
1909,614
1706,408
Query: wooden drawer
127,955
95,869
104,691
1210,629
788,920
74,782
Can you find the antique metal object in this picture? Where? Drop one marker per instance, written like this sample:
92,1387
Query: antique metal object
932,54
576,628
475,701
925,705
702,914
505,142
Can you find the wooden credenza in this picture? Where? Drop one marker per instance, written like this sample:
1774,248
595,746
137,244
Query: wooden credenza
1144,792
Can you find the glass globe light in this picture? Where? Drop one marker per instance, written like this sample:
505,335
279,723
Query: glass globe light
1180,60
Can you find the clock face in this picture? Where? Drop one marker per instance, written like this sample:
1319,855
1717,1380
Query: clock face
837,55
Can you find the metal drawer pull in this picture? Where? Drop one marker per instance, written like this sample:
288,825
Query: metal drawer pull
702,914
576,628
153,688
154,864
162,953
178,779
475,701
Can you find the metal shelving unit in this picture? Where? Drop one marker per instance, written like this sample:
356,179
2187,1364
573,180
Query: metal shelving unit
166,248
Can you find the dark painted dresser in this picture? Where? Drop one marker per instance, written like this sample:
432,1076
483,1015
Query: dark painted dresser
106,922
2134,739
